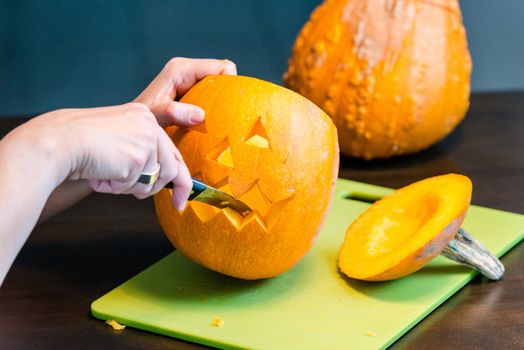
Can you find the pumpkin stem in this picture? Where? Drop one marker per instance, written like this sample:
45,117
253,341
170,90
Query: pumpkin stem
466,250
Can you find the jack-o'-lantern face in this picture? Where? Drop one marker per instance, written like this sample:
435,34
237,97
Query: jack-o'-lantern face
268,147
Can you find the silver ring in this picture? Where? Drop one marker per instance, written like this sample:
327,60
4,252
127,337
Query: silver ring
149,177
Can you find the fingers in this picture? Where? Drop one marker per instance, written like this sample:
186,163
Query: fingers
172,169
182,186
126,145
168,163
179,75
99,185
187,72
141,190
175,79
109,186
178,113
230,68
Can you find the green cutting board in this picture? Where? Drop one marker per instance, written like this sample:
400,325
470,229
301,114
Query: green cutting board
312,306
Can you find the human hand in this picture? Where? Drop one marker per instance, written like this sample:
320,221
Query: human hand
111,146
111,151
161,96
175,79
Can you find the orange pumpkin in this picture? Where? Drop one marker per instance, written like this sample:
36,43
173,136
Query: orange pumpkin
400,233
267,146
393,75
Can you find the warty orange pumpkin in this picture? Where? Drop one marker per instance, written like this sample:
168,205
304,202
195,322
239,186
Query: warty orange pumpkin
272,149
394,75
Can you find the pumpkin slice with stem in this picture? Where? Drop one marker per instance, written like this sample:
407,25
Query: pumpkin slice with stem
400,233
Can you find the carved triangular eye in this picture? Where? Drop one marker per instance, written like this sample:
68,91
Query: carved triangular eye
221,153
257,136
225,158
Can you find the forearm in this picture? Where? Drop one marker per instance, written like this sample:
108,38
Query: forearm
64,196
28,175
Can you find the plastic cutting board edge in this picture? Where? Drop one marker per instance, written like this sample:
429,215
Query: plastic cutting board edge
312,306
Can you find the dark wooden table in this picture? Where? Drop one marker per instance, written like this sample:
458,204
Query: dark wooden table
103,241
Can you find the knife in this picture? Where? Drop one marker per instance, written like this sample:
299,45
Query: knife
207,194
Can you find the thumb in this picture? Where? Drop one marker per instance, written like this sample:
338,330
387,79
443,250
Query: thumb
177,113
109,186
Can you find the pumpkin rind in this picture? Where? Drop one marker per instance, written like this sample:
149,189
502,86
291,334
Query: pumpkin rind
400,233
272,149
393,75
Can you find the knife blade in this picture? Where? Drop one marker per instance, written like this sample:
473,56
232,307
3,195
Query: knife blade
207,194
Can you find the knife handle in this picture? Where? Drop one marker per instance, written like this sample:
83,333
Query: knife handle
198,187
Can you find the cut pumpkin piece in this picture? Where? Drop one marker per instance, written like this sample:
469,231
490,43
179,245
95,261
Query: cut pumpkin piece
400,233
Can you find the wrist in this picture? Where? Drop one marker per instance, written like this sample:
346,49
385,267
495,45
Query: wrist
40,146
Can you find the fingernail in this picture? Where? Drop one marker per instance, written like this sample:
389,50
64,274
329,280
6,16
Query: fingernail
198,115
182,205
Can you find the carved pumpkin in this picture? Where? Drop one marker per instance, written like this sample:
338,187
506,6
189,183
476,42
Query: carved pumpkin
267,146
400,233
393,75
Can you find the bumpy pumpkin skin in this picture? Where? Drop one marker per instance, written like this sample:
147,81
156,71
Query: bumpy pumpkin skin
393,75
269,147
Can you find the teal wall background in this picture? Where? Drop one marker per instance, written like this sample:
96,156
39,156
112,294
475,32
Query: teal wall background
496,41
61,53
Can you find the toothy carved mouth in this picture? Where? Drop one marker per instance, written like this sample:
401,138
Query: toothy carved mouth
207,213
264,210
221,184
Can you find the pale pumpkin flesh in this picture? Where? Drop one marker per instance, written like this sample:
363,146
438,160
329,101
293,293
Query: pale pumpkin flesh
270,148
400,233
393,75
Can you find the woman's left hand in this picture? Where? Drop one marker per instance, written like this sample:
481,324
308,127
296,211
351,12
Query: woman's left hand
175,79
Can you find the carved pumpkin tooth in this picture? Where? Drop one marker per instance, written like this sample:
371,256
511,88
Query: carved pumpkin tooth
204,212
223,185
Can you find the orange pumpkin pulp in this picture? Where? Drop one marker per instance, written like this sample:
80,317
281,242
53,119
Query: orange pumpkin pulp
400,233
